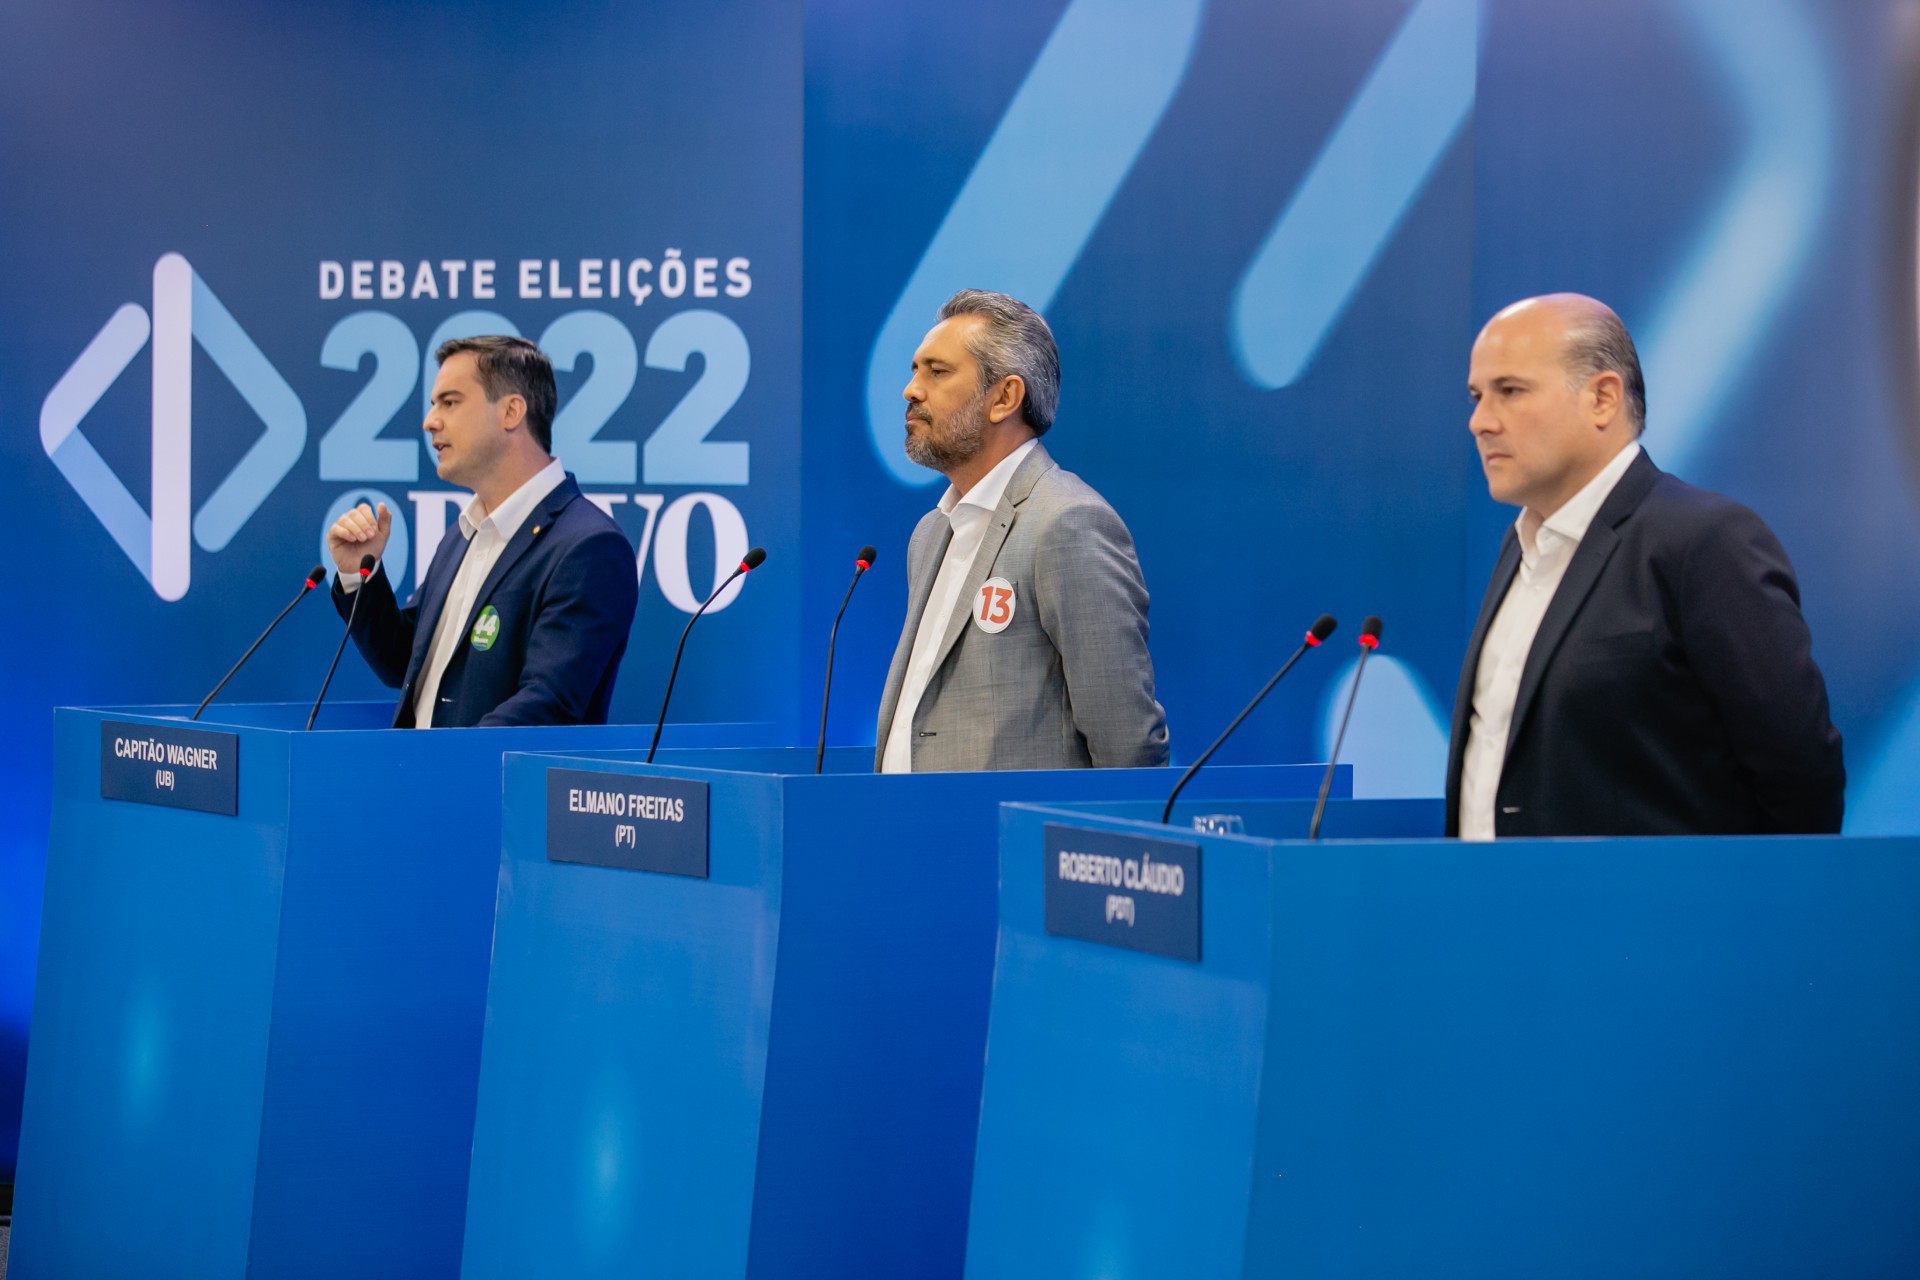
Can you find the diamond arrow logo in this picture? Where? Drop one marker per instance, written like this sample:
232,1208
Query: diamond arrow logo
185,311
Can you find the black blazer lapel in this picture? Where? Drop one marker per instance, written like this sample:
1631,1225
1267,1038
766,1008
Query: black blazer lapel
1504,570
1583,571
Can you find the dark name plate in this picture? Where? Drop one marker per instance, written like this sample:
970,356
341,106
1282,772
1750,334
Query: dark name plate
1138,892
170,765
627,820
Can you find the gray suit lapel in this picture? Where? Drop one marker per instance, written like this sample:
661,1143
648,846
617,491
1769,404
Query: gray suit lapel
922,568
925,572
999,525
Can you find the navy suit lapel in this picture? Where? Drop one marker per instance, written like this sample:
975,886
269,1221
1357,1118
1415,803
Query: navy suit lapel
446,566
1583,571
531,530
433,598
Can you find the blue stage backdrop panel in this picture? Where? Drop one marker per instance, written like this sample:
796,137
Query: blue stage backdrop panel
301,202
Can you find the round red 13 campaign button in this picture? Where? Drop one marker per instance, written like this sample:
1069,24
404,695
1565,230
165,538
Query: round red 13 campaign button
993,607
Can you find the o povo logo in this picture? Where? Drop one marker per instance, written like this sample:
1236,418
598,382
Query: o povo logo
159,541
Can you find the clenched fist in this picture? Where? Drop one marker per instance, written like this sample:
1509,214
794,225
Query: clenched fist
360,532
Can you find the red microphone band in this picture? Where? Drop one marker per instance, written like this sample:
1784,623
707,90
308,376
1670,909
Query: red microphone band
745,567
864,565
1369,642
1313,641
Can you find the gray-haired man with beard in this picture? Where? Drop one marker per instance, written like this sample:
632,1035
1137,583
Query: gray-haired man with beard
1025,645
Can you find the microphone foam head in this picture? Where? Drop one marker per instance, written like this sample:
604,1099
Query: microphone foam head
316,575
866,558
1322,627
1370,633
753,559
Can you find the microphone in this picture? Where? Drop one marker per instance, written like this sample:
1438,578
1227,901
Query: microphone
315,576
1323,627
861,563
366,571
751,561
1369,641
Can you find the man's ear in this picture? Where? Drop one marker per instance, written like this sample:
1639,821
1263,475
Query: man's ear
1007,399
513,412
1607,397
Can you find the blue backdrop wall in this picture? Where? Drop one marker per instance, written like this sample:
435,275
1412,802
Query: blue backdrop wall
1265,232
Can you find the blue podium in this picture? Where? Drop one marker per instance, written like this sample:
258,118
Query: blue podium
1399,1057
256,1024
771,1070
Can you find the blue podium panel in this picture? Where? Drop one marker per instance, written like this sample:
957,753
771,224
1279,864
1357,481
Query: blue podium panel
1660,1057
256,1036
774,1070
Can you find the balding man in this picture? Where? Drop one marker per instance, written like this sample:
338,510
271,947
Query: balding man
1640,665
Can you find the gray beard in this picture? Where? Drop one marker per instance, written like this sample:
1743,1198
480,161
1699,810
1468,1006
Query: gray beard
968,434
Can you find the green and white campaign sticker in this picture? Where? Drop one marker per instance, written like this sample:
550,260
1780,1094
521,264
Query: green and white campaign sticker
486,629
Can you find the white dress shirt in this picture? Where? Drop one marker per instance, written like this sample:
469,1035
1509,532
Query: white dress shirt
487,535
1546,548
969,517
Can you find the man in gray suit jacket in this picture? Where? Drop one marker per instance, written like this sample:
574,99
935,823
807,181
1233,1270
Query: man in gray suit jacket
1025,645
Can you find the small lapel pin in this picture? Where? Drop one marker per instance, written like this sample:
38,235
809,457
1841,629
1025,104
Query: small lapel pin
536,530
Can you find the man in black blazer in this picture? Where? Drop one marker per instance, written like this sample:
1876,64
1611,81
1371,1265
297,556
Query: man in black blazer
1640,665
524,613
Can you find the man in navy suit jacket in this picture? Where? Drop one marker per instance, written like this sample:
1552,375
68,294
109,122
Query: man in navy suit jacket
524,614
1640,665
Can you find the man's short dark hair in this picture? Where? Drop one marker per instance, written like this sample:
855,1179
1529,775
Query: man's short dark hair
1014,340
512,367
1598,342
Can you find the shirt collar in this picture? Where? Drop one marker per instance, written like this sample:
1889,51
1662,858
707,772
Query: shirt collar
516,507
990,488
1573,519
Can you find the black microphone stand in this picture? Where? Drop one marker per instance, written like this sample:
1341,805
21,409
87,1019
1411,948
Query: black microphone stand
314,579
863,563
1320,631
753,560
1369,641
366,573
